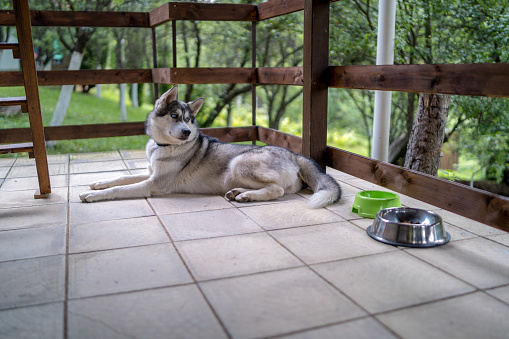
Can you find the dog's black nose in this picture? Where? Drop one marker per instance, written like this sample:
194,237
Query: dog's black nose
186,132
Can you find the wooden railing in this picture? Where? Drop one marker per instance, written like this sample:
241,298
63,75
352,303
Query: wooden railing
316,76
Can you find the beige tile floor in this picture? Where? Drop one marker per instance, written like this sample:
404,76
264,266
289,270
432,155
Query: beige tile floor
199,266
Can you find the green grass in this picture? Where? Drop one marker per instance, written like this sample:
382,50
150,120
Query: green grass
463,171
83,109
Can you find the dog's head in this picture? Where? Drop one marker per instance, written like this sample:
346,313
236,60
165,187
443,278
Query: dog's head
173,121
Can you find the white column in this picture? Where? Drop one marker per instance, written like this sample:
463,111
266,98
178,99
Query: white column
384,56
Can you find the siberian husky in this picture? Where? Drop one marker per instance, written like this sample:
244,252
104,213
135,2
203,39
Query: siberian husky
182,160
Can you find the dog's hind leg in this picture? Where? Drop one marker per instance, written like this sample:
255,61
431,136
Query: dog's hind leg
232,194
119,181
269,192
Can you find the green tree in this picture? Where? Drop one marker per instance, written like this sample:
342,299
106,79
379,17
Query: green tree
280,44
429,31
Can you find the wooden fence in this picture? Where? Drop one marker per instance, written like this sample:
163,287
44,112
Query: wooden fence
316,76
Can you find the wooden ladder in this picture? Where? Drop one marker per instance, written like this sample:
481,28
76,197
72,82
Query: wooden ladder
24,50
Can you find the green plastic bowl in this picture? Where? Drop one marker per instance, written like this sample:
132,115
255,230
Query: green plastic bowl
368,203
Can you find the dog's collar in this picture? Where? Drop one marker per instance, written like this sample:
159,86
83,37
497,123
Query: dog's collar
162,145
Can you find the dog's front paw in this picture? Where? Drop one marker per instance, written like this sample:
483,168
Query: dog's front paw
99,185
91,196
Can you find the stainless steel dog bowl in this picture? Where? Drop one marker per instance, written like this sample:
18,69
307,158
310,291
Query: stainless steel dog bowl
411,227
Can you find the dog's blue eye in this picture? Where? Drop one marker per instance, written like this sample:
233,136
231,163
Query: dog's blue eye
187,119
174,116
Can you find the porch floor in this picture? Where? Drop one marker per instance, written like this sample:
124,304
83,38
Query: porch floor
199,266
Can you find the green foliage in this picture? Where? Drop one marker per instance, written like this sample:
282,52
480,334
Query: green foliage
353,33
429,32
485,132
448,174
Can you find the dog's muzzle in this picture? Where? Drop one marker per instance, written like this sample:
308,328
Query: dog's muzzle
184,134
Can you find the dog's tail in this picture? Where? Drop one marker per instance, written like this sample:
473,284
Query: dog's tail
326,189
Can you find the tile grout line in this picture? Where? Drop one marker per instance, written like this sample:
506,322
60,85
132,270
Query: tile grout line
285,228
118,248
326,281
506,302
476,289
426,303
30,258
8,172
67,238
368,314
312,270
268,232
124,162
282,335
110,294
195,282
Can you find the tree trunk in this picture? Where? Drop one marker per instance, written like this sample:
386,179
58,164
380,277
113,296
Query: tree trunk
426,140
134,95
65,94
229,112
123,110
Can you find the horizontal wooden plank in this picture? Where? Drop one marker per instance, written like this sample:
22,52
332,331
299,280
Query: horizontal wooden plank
203,75
274,8
465,79
276,138
17,148
80,77
13,101
7,18
462,79
232,134
168,11
280,76
263,75
72,132
80,18
9,45
483,206
202,11
13,46
8,79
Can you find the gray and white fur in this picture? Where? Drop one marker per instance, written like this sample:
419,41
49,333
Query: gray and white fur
182,160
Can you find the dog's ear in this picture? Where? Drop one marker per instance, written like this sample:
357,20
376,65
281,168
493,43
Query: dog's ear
167,98
196,105
171,95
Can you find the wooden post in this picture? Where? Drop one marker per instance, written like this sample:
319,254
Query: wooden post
316,63
253,86
26,50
